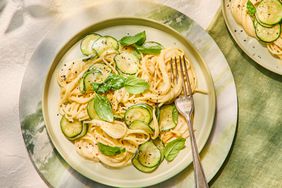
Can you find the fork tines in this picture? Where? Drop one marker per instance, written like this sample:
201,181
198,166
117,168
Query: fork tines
176,62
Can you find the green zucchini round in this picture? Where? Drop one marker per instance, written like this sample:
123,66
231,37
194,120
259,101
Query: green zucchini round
141,112
87,42
149,155
269,12
127,63
267,34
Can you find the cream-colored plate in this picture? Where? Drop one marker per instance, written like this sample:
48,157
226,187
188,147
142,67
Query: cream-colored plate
251,46
129,176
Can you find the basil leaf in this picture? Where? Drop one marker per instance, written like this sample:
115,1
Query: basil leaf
251,8
150,47
95,86
138,39
110,150
134,85
175,115
173,148
103,108
113,82
102,89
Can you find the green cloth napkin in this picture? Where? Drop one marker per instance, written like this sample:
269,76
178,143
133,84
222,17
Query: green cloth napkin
256,156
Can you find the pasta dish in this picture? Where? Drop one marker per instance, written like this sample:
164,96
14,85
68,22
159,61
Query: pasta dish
116,104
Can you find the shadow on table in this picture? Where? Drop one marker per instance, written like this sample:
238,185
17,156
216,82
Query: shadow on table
228,156
264,71
254,84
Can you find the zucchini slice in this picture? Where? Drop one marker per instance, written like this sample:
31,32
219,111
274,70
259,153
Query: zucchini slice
97,73
267,34
81,85
168,117
91,110
132,50
158,142
256,21
157,113
101,72
87,42
149,155
142,112
104,69
83,132
89,79
140,167
72,130
269,12
105,43
137,124
127,63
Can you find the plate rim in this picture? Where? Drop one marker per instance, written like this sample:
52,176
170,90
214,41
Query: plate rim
74,39
266,66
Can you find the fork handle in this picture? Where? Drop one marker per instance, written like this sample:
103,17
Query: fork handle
199,175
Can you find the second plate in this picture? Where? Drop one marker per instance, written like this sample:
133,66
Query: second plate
249,45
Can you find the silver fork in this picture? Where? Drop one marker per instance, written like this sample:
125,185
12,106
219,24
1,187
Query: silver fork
185,105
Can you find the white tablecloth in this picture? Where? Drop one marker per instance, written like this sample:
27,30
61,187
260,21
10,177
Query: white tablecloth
23,24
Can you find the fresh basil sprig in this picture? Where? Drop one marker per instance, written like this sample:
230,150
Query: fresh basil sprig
173,148
137,39
103,108
134,85
150,47
113,82
138,42
251,8
110,150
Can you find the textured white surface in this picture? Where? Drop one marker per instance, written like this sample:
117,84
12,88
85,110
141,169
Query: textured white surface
23,24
